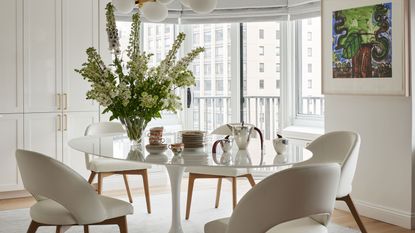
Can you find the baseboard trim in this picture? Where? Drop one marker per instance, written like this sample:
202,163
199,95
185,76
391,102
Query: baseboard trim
382,213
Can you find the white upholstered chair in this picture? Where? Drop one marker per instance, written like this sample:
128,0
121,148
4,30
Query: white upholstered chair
64,198
104,167
296,200
341,147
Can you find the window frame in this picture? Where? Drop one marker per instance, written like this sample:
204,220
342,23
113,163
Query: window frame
298,118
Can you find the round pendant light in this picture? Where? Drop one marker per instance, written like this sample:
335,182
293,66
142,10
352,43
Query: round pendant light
124,6
154,11
203,6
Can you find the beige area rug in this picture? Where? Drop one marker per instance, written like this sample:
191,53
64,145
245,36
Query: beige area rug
203,211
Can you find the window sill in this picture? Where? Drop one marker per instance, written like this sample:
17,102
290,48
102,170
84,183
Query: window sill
302,132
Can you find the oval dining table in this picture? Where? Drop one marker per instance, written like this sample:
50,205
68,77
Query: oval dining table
119,147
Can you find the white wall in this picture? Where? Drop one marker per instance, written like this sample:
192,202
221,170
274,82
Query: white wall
383,185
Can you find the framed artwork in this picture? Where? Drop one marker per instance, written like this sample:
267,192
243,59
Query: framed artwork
365,47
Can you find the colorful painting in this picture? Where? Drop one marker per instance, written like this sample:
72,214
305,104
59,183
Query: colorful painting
362,42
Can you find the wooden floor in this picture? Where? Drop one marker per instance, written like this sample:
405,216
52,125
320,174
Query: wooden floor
339,217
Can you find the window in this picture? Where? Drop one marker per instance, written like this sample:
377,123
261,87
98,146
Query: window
219,52
261,67
278,67
261,97
207,53
196,39
196,70
208,70
277,84
219,86
261,84
219,35
261,33
309,68
219,69
261,50
207,37
310,101
309,84
309,52
309,36
208,86
277,51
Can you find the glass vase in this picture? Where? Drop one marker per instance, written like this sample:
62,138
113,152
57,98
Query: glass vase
135,128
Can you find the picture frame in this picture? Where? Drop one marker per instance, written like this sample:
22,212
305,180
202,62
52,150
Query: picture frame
365,47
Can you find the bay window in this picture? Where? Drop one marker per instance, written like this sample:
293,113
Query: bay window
237,79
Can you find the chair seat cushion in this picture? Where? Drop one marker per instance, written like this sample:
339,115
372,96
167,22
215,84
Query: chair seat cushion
219,171
52,213
303,225
111,165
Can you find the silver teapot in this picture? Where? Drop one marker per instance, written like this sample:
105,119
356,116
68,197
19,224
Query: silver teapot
242,133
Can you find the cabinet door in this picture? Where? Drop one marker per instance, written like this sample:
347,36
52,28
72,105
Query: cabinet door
74,125
80,31
43,133
11,138
11,63
42,55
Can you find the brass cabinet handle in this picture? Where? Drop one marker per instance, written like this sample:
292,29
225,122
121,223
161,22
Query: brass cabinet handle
65,99
59,122
65,122
58,101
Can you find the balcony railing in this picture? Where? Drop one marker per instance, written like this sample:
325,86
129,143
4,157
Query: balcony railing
262,111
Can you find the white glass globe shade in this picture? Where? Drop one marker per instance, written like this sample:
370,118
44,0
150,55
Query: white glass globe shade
203,6
185,3
124,6
154,11
165,2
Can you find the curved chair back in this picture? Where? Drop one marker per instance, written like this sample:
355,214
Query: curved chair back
340,147
287,195
46,177
101,129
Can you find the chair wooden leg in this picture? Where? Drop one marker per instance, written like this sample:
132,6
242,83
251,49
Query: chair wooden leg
86,229
33,227
354,212
234,192
91,177
122,224
218,189
146,190
100,179
127,187
250,179
189,194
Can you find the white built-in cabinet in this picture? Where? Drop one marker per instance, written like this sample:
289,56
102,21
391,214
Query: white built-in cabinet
42,98
11,138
